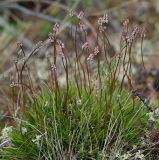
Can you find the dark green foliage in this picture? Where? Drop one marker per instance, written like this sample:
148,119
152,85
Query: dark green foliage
81,132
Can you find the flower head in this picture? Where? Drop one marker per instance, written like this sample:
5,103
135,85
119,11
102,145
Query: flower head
135,32
85,45
103,20
139,155
80,15
61,44
34,95
126,22
133,35
130,37
90,57
82,26
56,27
51,37
71,14
96,50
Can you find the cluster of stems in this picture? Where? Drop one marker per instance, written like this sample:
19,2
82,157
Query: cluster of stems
80,71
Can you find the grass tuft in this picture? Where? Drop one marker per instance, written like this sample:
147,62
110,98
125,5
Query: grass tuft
91,116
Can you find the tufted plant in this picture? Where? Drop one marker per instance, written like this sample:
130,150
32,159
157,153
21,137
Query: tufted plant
91,116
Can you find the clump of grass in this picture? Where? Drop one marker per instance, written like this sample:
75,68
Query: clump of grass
90,117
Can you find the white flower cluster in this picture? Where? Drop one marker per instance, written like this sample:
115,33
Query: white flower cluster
139,155
130,156
153,116
103,20
37,139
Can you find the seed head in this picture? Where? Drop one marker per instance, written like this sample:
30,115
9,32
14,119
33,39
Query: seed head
91,57
126,23
61,44
51,37
133,35
71,14
80,15
135,32
100,21
39,44
103,20
82,26
34,95
56,27
96,50
124,35
85,45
